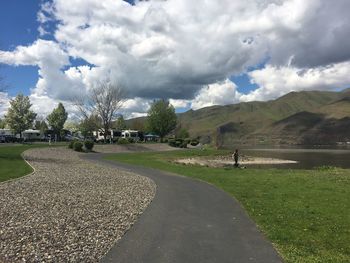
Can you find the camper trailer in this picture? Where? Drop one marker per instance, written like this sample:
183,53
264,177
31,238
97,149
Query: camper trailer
111,135
7,135
131,134
32,135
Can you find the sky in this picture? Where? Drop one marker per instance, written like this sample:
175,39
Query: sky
193,53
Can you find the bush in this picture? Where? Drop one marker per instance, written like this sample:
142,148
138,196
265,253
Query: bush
70,145
131,140
194,142
78,146
178,143
89,145
172,143
123,141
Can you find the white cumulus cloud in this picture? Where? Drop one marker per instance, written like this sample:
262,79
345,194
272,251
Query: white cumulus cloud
186,50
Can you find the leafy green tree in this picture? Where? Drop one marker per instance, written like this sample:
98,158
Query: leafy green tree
88,125
57,118
41,125
19,117
120,123
161,118
2,124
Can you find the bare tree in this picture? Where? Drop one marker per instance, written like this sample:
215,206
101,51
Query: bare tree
104,100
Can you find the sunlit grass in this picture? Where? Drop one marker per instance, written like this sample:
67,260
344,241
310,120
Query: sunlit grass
305,213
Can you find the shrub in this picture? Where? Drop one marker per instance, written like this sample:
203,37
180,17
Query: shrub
89,145
194,142
172,143
70,145
131,140
178,143
78,146
183,144
123,141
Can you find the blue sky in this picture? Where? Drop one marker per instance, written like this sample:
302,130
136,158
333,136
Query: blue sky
19,27
194,53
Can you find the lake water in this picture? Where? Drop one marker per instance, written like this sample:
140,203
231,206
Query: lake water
306,158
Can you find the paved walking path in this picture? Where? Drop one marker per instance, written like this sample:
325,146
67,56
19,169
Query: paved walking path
189,221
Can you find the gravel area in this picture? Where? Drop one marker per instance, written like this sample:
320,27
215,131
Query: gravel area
69,210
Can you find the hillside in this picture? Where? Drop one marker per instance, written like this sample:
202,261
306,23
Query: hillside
284,120
307,117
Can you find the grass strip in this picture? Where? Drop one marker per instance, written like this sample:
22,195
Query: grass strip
305,213
12,164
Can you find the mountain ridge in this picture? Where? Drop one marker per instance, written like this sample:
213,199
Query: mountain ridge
306,117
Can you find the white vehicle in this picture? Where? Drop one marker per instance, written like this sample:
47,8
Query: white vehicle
131,134
7,135
32,135
113,134
6,132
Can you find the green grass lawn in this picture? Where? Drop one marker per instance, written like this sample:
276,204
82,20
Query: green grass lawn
305,213
12,164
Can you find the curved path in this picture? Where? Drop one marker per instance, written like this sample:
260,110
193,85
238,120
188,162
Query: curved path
189,221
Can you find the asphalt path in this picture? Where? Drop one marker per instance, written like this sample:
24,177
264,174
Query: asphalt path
189,221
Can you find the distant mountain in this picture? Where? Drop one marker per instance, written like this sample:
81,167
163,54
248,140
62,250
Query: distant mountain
307,117
289,119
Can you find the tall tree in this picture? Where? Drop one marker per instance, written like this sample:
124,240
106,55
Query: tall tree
57,118
41,126
2,124
120,123
88,125
104,100
161,118
19,117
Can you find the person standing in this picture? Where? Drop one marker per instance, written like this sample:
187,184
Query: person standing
235,156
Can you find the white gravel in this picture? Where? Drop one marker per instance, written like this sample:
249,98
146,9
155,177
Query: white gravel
69,210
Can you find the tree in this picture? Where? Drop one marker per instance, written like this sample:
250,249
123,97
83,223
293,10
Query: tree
161,118
41,126
19,117
57,118
120,123
88,125
104,101
2,124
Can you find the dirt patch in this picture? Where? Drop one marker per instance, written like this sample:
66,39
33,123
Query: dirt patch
223,161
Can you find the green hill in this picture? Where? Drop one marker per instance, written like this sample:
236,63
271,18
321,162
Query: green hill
290,119
307,117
